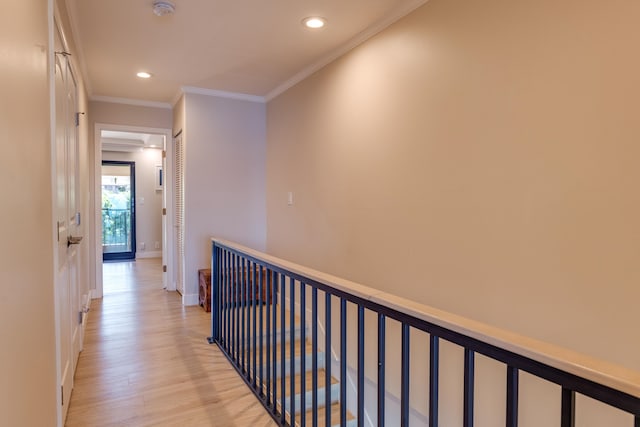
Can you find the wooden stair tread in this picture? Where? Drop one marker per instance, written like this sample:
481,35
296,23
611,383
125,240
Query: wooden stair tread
308,381
335,415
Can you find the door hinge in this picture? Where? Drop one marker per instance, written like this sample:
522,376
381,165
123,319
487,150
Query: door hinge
164,268
58,224
62,394
78,117
80,313
164,154
164,211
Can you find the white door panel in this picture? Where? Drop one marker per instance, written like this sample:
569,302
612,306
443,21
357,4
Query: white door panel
66,178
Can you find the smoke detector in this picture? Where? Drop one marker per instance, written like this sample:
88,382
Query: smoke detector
163,7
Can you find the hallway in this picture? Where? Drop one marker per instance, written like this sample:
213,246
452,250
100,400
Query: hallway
146,361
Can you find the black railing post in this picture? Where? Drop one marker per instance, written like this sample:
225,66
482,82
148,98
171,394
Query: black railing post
303,354
314,361
327,356
283,348
469,381
343,362
568,415
512,396
381,368
360,415
404,376
434,369
215,306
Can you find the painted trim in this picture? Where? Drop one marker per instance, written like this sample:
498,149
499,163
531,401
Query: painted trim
223,94
82,63
190,299
98,127
53,22
153,254
357,40
129,101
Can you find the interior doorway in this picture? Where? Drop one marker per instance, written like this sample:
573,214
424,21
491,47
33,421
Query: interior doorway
118,210
152,152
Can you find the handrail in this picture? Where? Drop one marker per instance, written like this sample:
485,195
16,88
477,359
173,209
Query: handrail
613,384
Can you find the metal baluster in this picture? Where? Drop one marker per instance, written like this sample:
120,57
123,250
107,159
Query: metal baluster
243,349
512,396
303,355
434,369
343,361
568,416
254,310
283,350
327,355
360,366
227,287
261,327
236,309
381,368
404,376
469,366
292,350
215,291
274,338
269,312
314,350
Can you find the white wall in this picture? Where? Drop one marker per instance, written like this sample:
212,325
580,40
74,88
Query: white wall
224,178
149,212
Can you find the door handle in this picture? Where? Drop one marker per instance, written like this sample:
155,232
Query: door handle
71,240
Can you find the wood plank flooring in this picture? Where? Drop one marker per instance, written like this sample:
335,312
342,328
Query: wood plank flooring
146,361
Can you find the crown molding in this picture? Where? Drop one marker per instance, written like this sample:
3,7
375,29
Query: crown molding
340,51
221,94
128,101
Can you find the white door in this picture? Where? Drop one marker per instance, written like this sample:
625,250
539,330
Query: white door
67,292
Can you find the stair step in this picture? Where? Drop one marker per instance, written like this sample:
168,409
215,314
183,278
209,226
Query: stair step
308,403
297,365
335,417
335,384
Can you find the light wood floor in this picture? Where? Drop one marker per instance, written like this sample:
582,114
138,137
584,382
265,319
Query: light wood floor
146,361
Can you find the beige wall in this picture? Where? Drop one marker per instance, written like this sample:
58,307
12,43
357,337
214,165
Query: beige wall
130,115
27,320
480,157
149,212
224,180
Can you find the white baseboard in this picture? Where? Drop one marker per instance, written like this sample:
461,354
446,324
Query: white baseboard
190,299
153,254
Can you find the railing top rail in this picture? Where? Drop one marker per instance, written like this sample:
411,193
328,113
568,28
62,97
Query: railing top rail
606,373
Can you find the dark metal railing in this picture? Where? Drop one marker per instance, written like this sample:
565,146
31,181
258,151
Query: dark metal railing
260,312
116,227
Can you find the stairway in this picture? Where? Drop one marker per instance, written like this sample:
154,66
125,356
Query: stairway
296,375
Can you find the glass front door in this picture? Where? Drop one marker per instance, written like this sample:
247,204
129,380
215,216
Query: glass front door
118,212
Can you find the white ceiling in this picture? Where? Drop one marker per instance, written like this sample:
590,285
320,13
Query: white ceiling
130,141
254,47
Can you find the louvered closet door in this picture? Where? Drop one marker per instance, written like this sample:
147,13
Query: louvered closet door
179,212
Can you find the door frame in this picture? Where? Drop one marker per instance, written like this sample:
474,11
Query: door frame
130,255
168,278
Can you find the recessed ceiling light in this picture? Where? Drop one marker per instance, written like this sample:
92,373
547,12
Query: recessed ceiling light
314,22
163,7
143,75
